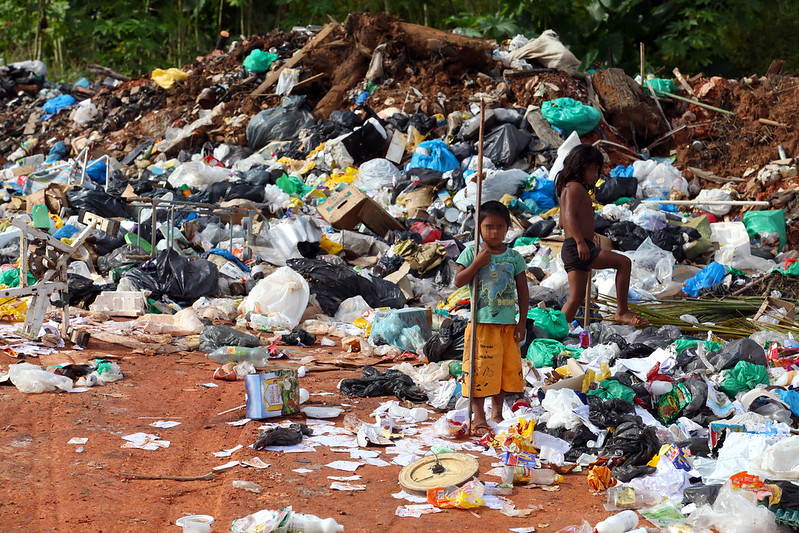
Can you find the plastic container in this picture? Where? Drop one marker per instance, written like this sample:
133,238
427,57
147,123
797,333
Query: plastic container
623,522
308,523
258,357
41,216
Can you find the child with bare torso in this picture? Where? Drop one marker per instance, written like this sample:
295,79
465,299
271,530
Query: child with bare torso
580,173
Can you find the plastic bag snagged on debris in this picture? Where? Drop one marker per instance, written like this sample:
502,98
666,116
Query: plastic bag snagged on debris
282,123
213,337
284,292
375,383
177,276
570,115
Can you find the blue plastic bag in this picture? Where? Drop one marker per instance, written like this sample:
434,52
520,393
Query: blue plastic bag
543,194
54,105
622,171
433,155
96,171
707,277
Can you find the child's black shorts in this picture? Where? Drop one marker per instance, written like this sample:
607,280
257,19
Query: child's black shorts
571,259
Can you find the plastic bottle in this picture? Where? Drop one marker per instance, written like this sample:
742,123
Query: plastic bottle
623,522
259,357
308,523
534,476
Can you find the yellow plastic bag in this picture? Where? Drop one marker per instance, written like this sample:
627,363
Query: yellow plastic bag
13,309
167,78
469,496
331,247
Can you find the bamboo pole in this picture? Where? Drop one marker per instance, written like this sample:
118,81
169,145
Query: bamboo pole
700,104
473,318
709,202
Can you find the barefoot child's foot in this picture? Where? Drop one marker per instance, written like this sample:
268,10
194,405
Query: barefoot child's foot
631,318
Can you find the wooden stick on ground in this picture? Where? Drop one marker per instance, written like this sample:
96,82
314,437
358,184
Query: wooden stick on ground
587,300
207,477
105,71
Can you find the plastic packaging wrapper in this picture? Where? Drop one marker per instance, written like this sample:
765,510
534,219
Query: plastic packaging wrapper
30,378
213,337
176,276
570,115
332,284
278,124
388,383
284,292
406,329
468,496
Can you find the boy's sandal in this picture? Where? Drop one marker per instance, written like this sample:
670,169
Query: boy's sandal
481,430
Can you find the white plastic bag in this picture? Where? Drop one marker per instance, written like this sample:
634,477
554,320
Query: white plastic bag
197,175
351,309
287,80
559,405
377,174
184,322
284,291
714,195
658,179
85,112
30,378
734,511
780,460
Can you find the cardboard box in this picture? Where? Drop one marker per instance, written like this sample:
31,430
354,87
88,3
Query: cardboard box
351,207
272,394
575,382
774,307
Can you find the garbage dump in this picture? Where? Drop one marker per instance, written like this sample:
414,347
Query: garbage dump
295,206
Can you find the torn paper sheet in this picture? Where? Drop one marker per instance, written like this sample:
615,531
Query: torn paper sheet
337,485
347,466
209,385
255,462
416,511
241,422
144,441
166,424
413,498
404,460
227,453
376,462
303,470
529,529
344,478
226,466
78,440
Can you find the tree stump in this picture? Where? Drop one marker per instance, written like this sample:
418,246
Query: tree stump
627,107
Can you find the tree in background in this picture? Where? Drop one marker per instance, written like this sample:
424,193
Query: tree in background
731,38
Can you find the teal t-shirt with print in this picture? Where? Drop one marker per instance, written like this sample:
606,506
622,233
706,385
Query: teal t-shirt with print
496,289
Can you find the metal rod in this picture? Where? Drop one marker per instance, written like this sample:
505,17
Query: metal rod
473,319
709,202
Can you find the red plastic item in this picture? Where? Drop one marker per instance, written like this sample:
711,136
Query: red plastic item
428,233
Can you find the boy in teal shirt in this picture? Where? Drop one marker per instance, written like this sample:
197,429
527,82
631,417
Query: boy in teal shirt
501,284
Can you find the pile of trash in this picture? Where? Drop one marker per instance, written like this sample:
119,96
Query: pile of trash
316,187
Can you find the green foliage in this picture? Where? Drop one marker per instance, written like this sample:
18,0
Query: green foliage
727,37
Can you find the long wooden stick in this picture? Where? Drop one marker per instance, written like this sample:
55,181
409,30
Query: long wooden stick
475,280
207,477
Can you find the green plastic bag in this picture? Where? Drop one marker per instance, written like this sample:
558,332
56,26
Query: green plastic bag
683,344
611,388
258,61
765,222
743,377
571,115
10,278
660,84
553,322
542,351
292,186
525,241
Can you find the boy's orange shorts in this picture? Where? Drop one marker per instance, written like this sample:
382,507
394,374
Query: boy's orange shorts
498,365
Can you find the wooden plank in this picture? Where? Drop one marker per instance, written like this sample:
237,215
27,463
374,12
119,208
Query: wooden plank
272,77
683,82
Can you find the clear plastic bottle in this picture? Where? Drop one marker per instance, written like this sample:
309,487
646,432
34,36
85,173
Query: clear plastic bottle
520,475
308,523
259,357
623,522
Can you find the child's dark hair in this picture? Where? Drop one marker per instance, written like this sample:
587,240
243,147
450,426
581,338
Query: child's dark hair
495,208
581,156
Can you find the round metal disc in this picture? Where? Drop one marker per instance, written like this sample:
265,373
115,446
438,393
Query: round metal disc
419,475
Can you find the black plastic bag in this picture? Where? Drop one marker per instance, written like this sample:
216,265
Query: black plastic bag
504,145
365,142
282,123
281,436
626,235
423,123
177,276
637,444
105,243
213,337
610,413
448,342
225,190
729,355
82,291
98,202
461,150
332,284
614,188
297,337
541,229
347,119
262,175
374,383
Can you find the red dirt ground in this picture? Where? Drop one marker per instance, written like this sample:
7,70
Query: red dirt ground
49,486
